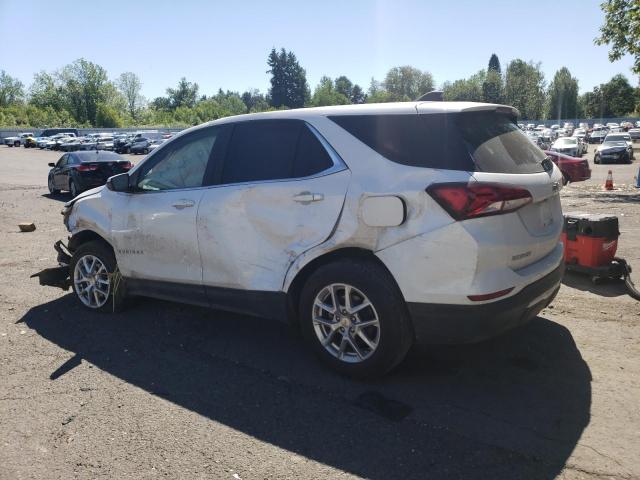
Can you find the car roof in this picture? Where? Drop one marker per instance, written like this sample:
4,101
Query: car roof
97,156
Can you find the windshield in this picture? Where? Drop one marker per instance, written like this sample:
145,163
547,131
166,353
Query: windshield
615,143
619,138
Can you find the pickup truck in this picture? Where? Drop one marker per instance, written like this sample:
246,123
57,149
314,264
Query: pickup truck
16,141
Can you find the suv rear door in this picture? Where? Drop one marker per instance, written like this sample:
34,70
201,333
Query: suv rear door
280,192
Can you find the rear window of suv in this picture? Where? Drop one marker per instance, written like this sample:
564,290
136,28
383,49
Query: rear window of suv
469,141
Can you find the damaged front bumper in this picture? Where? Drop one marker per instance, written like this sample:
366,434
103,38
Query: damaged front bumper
57,276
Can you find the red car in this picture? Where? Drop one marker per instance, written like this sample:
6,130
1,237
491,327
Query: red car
573,169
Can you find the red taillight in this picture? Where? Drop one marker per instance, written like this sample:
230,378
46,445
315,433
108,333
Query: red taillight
472,200
125,165
489,296
86,168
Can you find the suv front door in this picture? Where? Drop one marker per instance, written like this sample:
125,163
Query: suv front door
155,230
281,189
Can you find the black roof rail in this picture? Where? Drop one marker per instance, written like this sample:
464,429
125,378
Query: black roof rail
432,96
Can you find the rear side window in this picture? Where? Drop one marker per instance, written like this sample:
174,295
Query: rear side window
311,156
474,141
273,150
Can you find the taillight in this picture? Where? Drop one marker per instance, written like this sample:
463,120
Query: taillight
86,168
126,165
471,200
489,296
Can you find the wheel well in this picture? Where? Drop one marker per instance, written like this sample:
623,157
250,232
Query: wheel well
83,237
295,289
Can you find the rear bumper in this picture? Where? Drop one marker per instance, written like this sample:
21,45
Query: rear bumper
454,324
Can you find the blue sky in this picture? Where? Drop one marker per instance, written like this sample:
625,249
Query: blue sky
225,43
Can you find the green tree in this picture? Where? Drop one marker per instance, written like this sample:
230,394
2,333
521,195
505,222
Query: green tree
255,101
83,88
129,85
617,97
492,87
494,64
407,83
621,30
466,90
524,88
184,95
11,90
289,86
377,93
326,94
357,94
107,116
46,91
563,96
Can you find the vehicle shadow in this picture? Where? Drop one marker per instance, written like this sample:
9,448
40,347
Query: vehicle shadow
604,288
512,407
60,197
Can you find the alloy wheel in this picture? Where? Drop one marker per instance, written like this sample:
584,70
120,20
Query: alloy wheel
346,323
91,281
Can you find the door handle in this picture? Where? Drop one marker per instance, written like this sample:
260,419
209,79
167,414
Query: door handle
308,197
183,203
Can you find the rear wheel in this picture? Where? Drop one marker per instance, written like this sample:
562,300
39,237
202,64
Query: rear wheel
96,279
565,179
355,319
596,159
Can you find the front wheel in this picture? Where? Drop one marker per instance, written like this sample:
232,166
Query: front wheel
73,188
355,319
96,279
596,159
52,189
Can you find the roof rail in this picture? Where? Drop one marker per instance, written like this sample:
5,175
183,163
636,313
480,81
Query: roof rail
432,96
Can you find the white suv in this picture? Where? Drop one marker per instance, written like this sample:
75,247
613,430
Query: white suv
372,226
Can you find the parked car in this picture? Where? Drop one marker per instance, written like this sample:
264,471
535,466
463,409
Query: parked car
140,145
634,133
573,169
597,136
581,135
80,171
373,226
17,140
568,146
624,137
30,142
612,151
49,132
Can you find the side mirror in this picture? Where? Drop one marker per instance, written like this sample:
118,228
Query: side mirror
52,165
119,183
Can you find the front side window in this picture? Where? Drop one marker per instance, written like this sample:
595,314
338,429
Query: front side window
182,165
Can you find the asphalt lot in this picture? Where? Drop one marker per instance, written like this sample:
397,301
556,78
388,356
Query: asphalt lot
167,390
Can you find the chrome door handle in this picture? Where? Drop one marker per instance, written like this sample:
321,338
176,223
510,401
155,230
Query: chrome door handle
183,203
308,197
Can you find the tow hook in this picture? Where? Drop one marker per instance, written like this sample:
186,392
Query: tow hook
57,276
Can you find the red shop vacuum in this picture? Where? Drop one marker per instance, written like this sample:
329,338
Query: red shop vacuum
590,244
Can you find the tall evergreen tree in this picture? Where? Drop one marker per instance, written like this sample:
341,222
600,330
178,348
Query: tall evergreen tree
289,86
563,96
494,64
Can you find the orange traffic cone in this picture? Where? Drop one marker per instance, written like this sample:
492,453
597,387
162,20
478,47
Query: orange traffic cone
608,184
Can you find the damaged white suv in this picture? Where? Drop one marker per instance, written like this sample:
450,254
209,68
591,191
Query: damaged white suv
372,226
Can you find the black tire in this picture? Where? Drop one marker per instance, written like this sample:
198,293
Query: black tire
52,189
16,144
146,151
565,179
10,145
395,332
116,300
596,159
73,189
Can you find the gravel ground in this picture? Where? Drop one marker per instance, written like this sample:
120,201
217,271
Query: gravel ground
167,390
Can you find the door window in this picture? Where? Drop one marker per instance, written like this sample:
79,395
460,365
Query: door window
179,165
273,150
